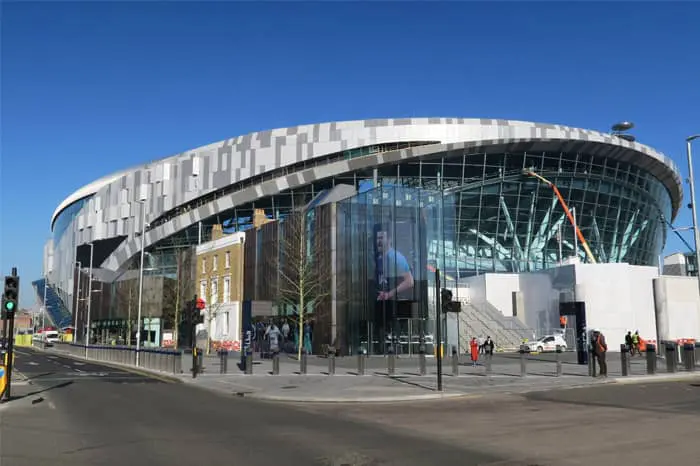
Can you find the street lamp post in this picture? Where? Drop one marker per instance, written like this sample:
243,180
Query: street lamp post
89,298
691,181
77,303
138,318
43,314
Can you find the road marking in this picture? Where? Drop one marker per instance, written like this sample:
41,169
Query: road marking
51,405
77,370
32,363
76,363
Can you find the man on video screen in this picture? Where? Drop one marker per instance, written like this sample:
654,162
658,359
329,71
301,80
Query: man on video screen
394,275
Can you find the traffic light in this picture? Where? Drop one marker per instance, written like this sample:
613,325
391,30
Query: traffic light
195,311
445,299
10,297
447,304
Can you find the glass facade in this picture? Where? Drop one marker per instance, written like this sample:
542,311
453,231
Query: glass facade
391,239
507,222
64,219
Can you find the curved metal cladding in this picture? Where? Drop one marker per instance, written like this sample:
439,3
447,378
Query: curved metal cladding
620,190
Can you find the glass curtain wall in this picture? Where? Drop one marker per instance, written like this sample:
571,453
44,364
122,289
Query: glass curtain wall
392,240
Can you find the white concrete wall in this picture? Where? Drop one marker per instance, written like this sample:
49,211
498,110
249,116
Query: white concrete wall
678,307
499,290
619,298
538,291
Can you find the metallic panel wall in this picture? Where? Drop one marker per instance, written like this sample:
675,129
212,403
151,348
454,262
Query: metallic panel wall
114,208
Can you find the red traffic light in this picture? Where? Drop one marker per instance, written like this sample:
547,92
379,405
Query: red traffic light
200,304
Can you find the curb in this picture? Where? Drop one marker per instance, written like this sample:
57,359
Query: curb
376,399
640,379
134,370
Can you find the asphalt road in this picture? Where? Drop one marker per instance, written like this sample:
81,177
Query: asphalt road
74,413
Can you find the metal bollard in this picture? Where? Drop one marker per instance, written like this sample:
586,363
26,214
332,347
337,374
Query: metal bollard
697,352
361,363
455,362
223,361
560,369
391,363
303,363
275,364
249,363
671,357
524,350
488,364
651,359
422,366
331,361
689,351
624,360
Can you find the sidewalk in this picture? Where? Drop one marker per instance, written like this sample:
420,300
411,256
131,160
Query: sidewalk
345,386
407,385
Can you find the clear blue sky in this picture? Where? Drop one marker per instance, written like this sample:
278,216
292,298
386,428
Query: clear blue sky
89,88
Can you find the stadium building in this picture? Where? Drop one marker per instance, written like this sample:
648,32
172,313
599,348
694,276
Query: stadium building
500,173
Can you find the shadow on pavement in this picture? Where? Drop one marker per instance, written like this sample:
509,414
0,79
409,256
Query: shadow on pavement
36,392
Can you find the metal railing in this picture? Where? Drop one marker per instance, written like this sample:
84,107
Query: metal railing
154,359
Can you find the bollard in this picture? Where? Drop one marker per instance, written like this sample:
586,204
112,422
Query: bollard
361,363
671,358
249,363
689,351
422,366
524,350
275,363
391,363
591,362
651,359
331,361
303,363
624,360
488,364
697,352
223,361
560,368
455,362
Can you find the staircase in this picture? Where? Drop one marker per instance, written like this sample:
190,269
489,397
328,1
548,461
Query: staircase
483,319
55,308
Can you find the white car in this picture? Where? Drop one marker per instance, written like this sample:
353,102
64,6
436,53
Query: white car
548,343
51,337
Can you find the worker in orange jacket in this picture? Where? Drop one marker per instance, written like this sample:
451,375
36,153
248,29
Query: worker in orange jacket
600,348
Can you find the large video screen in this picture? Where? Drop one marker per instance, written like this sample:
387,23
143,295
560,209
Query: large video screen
399,256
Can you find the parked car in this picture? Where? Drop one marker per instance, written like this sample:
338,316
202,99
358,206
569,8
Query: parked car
548,343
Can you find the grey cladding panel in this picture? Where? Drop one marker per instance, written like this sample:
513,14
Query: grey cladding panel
376,123
265,138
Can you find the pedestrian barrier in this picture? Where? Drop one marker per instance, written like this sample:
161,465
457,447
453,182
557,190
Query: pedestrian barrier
155,359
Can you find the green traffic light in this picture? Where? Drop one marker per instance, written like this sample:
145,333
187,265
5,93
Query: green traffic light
9,306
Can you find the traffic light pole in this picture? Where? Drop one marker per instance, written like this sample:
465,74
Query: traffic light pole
10,341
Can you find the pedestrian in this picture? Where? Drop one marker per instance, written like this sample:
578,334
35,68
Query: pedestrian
488,346
600,348
273,335
635,342
629,343
474,347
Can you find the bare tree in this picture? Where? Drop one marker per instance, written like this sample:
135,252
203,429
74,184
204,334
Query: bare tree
178,291
212,312
303,280
127,297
